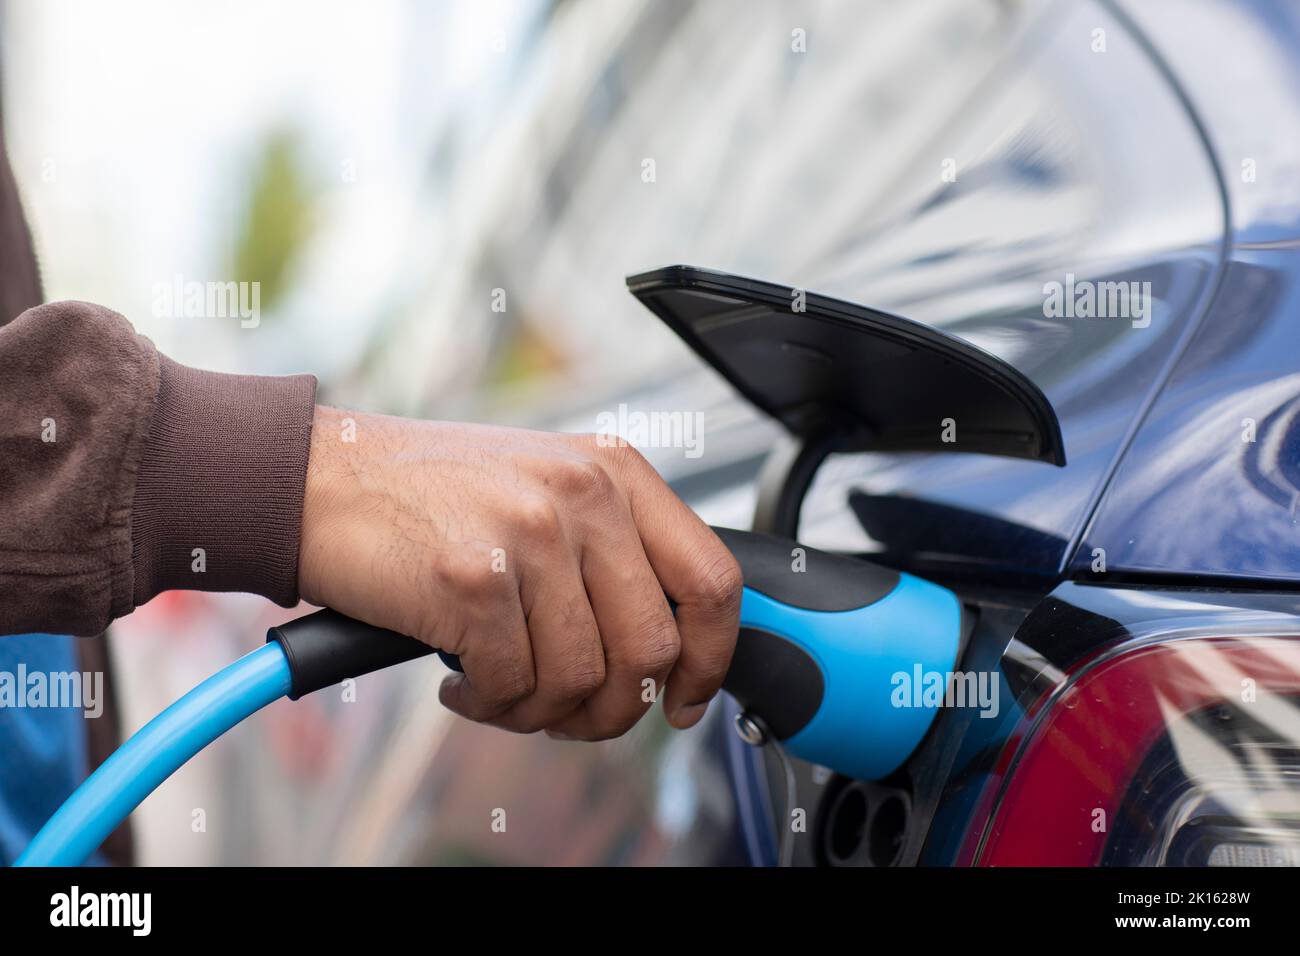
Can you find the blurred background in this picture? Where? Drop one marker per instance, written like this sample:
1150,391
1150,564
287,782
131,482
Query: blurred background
441,200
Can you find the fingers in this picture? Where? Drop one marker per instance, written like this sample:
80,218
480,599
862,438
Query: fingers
640,638
697,571
566,646
497,674
490,634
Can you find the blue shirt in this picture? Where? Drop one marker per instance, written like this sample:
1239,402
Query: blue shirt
43,754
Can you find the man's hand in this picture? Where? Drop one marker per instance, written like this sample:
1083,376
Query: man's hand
541,559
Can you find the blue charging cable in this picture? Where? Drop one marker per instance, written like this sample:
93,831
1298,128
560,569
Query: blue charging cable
136,769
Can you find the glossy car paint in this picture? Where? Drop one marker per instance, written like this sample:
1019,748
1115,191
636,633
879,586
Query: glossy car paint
1117,131
1211,483
1183,439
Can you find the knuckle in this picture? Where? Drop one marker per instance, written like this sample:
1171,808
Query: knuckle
719,582
537,517
474,579
509,688
597,444
581,663
629,456
580,680
444,632
657,647
585,477
615,450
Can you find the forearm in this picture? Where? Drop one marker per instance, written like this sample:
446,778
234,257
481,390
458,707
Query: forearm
123,473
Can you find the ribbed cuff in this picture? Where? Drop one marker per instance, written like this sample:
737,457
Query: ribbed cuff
219,493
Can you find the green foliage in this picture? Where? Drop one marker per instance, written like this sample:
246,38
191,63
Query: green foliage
277,219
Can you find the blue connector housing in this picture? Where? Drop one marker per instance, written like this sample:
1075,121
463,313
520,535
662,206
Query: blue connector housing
862,729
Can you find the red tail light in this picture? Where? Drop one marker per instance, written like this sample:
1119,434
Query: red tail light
1184,752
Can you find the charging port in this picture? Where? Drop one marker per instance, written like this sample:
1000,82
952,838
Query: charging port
862,824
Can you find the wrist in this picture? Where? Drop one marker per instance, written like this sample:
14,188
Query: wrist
329,465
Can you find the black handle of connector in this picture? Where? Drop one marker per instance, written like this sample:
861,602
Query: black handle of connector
325,647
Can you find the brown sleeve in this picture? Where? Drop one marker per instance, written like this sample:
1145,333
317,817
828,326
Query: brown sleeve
123,473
